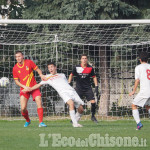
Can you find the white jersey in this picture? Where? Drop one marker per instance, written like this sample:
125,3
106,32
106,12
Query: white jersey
58,82
142,72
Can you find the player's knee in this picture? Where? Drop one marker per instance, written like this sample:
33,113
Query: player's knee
134,106
38,102
71,104
39,105
80,109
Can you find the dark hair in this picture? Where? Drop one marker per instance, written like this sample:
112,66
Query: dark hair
17,52
51,63
84,55
144,56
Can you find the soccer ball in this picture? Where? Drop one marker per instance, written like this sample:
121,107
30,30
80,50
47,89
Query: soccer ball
4,82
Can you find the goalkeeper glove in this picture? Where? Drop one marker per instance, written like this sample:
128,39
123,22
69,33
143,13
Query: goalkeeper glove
96,90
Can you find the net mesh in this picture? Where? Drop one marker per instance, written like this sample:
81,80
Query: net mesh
112,49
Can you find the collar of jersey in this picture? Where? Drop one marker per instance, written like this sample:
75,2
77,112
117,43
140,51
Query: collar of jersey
20,66
82,66
52,76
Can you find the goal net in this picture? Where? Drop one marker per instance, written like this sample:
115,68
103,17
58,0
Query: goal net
112,47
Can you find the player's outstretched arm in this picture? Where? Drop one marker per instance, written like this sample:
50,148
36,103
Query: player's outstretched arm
43,77
23,86
70,78
32,88
137,81
36,87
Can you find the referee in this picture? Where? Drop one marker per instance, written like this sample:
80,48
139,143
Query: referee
83,72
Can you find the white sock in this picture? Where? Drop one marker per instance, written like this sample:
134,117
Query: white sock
136,116
73,116
149,111
78,116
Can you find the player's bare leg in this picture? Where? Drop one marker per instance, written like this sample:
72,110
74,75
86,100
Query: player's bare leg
148,109
72,114
79,112
93,111
40,111
24,111
136,116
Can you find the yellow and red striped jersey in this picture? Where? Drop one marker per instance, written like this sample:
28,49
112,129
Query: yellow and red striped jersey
24,73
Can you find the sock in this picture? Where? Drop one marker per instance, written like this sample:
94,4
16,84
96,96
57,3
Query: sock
149,111
40,114
136,116
73,116
93,108
78,116
25,115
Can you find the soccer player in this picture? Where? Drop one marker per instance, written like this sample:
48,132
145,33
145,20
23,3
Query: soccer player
142,76
84,72
24,77
59,82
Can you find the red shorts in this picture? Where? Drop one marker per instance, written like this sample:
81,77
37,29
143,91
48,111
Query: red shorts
34,94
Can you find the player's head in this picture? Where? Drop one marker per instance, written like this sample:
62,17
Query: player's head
143,57
52,67
19,56
84,59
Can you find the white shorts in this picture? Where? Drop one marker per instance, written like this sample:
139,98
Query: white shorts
72,95
141,101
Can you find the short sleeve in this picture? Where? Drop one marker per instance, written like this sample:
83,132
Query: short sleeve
64,76
137,73
33,65
74,72
15,75
43,82
93,73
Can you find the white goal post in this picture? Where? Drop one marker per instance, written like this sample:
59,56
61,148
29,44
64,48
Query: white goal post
32,21
112,46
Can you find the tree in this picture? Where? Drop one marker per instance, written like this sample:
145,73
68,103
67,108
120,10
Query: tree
83,9
14,10
86,9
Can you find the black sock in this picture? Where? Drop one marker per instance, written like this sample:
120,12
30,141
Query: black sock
93,108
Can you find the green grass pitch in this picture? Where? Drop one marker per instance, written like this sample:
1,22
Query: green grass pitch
13,136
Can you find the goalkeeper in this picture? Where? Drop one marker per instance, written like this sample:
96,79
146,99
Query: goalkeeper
83,72
59,82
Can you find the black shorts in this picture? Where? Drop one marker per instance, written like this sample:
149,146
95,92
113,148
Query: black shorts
88,93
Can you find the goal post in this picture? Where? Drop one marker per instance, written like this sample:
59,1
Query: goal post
112,46
33,21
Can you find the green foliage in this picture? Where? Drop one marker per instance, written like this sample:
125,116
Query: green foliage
146,14
83,9
3,2
14,11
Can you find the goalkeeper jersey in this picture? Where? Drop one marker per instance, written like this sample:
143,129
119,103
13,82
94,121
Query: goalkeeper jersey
24,73
83,75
